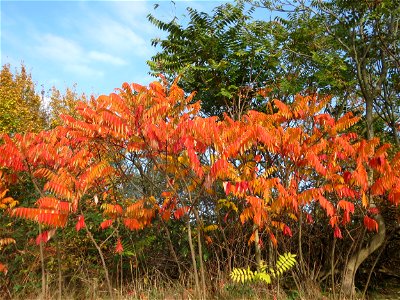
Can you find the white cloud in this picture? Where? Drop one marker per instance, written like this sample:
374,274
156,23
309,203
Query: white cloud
132,13
105,57
117,37
58,48
74,58
84,70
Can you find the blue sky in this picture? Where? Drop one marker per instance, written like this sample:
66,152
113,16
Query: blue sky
96,44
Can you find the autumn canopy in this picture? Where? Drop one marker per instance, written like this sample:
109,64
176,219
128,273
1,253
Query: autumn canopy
271,165
266,168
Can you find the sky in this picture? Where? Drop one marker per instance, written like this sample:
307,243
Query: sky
96,45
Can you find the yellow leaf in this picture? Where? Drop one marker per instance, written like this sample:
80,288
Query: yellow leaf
364,200
210,228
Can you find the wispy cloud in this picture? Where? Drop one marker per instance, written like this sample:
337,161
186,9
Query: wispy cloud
116,37
58,48
106,58
121,27
97,44
84,70
73,57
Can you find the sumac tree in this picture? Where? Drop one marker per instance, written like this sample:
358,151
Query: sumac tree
272,166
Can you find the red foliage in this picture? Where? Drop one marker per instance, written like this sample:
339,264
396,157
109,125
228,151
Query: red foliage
81,223
338,233
265,161
370,224
119,248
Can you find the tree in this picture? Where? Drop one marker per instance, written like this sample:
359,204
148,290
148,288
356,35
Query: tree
63,104
225,56
228,56
20,105
271,166
366,36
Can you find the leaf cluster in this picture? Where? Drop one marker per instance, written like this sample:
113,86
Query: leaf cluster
285,262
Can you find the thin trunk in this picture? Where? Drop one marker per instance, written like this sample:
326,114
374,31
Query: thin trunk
42,265
301,259
110,291
200,250
193,254
257,248
333,268
59,270
369,118
202,273
122,274
228,250
171,247
43,296
271,250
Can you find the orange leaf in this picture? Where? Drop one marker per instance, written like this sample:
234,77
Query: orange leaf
165,215
346,205
132,224
370,224
180,212
364,200
3,269
53,218
273,239
333,221
105,224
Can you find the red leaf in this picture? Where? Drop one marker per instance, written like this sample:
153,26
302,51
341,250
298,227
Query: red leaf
180,212
227,187
226,217
309,219
346,217
105,224
3,269
287,231
346,205
42,238
119,249
45,236
337,233
81,223
333,221
273,239
347,176
374,210
370,224
132,224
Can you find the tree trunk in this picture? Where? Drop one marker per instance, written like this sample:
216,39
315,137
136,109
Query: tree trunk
59,270
44,284
171,247
193,255
257,248
369,92
110,290
357,259
200,251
